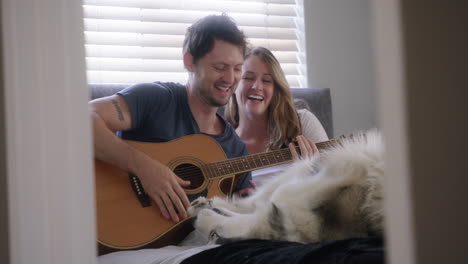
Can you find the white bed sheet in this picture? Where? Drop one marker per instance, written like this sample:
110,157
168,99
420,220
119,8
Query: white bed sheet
192,244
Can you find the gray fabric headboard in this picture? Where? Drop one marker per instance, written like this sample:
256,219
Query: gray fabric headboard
317,100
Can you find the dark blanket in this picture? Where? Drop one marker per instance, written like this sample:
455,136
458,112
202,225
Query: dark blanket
356,250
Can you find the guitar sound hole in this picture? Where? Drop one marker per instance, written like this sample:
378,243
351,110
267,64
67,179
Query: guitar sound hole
192,173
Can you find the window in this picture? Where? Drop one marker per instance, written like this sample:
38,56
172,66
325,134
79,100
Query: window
132,41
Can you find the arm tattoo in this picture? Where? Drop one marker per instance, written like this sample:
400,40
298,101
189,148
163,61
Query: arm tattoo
119,111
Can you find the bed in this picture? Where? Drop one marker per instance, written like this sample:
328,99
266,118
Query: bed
195,250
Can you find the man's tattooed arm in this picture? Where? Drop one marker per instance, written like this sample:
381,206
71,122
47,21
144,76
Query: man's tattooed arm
119,111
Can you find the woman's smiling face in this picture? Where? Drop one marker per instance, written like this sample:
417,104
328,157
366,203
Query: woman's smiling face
255,88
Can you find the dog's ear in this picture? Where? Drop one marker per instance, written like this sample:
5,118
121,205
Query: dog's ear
327,212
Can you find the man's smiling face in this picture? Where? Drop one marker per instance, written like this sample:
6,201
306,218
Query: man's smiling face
217,74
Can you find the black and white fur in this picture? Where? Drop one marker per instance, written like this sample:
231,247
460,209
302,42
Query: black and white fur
336,195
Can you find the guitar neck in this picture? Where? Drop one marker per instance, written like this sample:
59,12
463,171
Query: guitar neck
255,161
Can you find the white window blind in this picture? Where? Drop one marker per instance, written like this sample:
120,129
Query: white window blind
132,41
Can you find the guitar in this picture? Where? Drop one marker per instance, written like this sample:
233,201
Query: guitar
128,219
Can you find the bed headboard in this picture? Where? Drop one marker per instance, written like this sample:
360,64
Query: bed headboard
317,100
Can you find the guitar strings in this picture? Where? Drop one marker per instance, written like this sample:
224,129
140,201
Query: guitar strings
210,168
238,166
240,162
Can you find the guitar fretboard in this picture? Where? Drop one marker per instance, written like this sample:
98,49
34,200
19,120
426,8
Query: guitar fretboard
255,161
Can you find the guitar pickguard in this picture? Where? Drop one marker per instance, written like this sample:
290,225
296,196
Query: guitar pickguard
194,196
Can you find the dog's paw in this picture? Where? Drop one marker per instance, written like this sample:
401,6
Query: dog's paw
216,239
213,238
199,204
207,220
212,226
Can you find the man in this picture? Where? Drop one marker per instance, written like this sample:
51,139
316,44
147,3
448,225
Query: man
158,112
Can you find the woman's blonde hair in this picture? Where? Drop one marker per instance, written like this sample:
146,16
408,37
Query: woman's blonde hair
284,124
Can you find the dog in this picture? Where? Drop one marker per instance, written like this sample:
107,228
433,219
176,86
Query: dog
335,195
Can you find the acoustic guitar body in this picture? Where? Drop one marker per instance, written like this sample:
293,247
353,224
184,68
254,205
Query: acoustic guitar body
128,219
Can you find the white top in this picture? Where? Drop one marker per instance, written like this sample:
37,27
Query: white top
311,128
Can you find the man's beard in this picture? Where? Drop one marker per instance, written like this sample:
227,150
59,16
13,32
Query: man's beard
206,96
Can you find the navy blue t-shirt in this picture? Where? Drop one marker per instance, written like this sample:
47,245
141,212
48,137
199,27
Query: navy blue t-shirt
160,113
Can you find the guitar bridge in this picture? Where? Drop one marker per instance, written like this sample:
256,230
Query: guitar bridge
139,191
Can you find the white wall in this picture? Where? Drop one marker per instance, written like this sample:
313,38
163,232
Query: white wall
339,57
390,76
422,51
4,245
434,77
48,133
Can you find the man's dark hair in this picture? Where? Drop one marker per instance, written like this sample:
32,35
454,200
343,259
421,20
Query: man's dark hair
200,37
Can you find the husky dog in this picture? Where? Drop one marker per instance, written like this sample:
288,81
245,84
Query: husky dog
335,195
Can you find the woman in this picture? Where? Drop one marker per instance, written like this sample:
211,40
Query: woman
262,109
